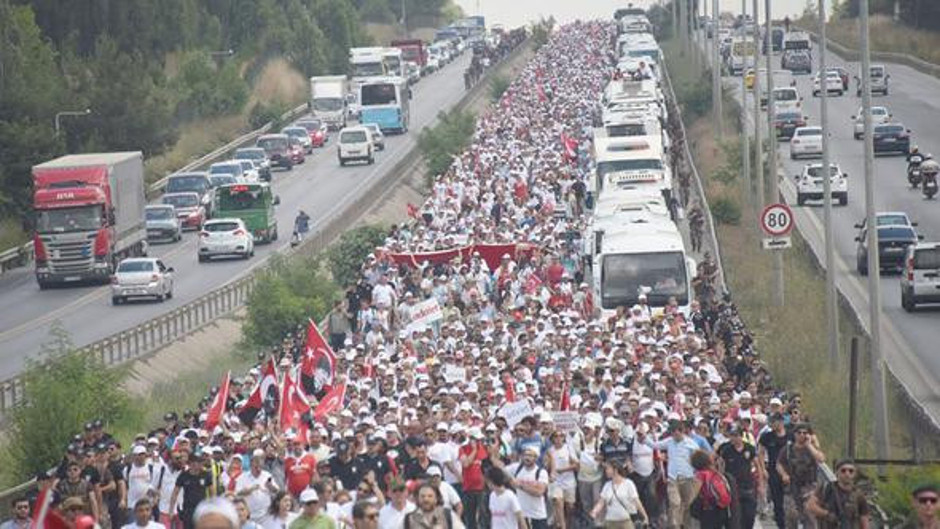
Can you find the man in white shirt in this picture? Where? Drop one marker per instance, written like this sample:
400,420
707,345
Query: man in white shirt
530,481
143,511
392,515
256,487
383,294
138,476
448,494
164,480
446,454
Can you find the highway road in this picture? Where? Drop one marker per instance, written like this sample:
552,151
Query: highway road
909,339
317,186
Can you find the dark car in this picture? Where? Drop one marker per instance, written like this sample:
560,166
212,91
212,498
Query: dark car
278,149
259,157
192,182
891,138
797,61
785,123
892,246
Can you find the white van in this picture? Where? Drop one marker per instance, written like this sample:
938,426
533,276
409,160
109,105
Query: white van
781,78
355,144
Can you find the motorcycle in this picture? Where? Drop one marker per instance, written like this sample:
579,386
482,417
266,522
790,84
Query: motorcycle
930,185
914,176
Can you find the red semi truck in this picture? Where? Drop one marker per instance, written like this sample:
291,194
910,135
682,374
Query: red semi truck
89,215
412,50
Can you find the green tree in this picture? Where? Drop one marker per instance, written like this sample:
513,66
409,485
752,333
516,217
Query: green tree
498,86
284,297
448,138
347,255
61,393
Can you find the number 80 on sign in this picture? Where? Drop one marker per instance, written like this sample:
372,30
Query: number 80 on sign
776,220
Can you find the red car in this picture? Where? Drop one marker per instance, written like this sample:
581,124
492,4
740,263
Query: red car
317,129
297,155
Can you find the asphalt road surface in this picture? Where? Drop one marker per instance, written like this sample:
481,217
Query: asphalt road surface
317,186
909,339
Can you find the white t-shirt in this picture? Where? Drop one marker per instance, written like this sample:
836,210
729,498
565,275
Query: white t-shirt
259,500
392,518
503,510
165,487
563,457
642,458
589,471
138,482
383,295
451,498
442,453
620,500
533,507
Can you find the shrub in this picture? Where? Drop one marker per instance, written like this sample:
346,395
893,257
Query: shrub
498,86
440,144
263,113
726,210
696,97
284,296
60,393
894,493
347,255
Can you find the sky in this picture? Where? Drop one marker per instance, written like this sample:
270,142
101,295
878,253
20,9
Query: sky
513,13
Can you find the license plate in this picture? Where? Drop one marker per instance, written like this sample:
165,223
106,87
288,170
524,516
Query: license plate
73,278
889,140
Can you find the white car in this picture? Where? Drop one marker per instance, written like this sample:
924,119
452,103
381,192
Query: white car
355,144
225,237
787,99
378,139
250,172
879,115
809,184
141,277
806,141
833,84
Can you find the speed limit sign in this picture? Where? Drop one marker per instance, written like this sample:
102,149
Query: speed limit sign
777,220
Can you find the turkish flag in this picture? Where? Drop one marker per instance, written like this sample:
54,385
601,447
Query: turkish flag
318,368
217,409
570,146
44,516
331,402
293,405
412,210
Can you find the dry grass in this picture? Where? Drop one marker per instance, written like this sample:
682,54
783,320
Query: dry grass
791,339
885,34
279,81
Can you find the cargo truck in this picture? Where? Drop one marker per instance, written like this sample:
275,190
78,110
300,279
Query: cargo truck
89,215
412,50
328,100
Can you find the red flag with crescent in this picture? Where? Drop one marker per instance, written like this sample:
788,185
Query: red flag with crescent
331,402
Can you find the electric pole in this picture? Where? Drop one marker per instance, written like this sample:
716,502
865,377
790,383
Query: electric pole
882,442
771,131
832,315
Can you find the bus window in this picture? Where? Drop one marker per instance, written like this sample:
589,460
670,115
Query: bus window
378,94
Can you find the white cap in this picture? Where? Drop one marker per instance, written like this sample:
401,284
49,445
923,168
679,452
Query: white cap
434,471
138,449
308,495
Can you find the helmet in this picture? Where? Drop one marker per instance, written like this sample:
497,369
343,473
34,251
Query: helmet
913,149
928,156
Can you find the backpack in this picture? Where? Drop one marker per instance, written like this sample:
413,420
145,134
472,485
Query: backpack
715,494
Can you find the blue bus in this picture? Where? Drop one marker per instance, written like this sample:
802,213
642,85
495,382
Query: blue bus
385,102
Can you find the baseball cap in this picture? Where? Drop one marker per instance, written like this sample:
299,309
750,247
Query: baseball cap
138,449
308,496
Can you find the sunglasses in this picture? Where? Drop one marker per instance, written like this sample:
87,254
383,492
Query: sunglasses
925,500
846,470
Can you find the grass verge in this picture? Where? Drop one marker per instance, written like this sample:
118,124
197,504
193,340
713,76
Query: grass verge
885,35
791,339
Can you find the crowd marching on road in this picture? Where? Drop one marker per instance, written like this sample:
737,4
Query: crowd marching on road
486,56
511,406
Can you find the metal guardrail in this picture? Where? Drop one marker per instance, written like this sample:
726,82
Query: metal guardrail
156,333
23,255
699,188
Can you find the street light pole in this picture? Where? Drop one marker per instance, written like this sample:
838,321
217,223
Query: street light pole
716,71
771,131
832,315
882,442
745,144
59,115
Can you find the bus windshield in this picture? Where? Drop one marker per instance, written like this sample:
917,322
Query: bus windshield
241,197
378,94
616,166
660,275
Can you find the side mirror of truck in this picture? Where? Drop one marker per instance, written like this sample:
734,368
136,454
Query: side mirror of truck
277,200
171,269
845,175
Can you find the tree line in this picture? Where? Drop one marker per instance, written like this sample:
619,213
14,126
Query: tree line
921,14
146,67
